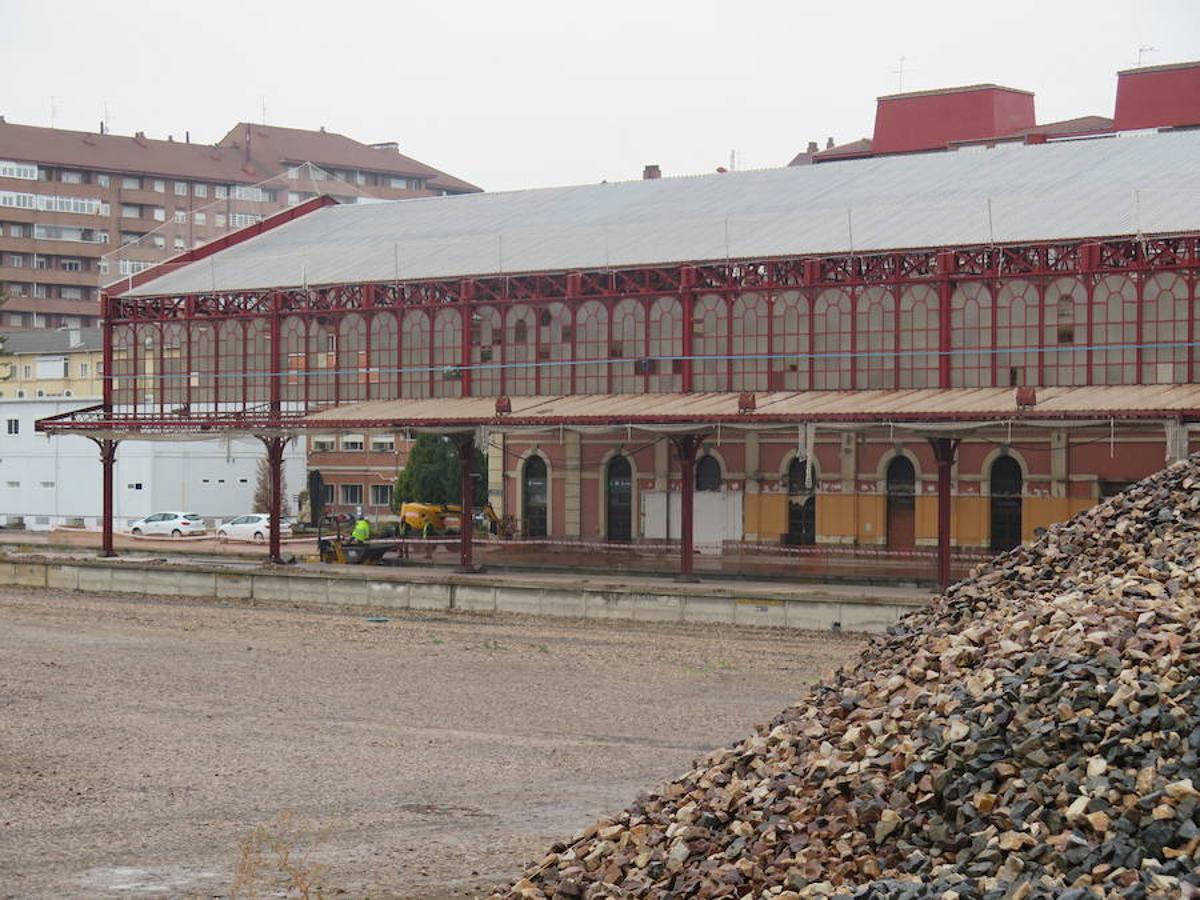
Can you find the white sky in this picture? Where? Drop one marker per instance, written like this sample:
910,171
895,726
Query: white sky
526,93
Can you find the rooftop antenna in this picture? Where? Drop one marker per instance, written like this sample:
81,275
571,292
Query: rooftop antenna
898,71
733,160
105,128
264,110
1142,51
53,110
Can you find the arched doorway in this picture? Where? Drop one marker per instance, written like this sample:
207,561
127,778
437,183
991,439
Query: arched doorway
708,474
535,497
901,504
802,506
619,499
1006,483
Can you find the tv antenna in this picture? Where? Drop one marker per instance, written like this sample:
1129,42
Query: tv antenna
898,71
1142,51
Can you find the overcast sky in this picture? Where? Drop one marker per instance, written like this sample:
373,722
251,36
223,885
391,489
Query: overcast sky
515,94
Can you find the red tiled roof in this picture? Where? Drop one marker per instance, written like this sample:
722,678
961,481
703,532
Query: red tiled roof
273,147
118,153
861,147
961,89
453,185
1078,125
700,409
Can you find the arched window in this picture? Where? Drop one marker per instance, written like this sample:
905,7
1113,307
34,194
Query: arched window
1005,502
901,477
796,482
619,491
708,474
901,504
802,522
802,505
535,497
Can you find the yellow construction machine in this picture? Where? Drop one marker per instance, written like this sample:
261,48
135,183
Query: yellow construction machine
439,519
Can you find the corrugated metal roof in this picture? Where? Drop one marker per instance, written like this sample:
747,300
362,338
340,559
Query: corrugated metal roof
926,405
1008,194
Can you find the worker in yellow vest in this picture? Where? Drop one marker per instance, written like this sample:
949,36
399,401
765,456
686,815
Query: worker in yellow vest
362,528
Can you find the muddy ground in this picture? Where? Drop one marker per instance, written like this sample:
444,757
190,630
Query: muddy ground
424,756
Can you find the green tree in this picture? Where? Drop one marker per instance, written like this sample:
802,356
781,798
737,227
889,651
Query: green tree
431,475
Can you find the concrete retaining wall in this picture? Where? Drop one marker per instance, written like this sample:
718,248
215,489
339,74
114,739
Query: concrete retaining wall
785,606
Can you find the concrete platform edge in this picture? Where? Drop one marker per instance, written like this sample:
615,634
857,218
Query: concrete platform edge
798,607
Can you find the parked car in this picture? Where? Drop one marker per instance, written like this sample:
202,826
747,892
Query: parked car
251,527
176,524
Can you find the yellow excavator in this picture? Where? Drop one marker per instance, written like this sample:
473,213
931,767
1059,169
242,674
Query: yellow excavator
438,519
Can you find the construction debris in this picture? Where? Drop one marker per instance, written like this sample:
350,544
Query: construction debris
1034,732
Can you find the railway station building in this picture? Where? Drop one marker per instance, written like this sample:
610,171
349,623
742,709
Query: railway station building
892,354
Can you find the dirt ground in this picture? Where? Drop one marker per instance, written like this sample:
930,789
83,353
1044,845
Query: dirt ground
424,756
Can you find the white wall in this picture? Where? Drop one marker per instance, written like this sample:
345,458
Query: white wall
52,480
717,516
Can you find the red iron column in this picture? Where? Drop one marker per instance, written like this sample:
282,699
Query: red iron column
108,460
466,469
946,268
687,281
944,450
275,447
685,448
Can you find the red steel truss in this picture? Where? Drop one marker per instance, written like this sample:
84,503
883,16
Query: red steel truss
1082,313
1113,311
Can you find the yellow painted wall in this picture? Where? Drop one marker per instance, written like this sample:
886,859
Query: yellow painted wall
872,519
12,375
862,518
1042,512
765,515
970,521
926,518
835,517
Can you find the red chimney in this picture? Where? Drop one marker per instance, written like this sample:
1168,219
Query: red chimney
1158,96
929,120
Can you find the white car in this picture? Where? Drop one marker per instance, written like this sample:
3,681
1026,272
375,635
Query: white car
252,527
176,524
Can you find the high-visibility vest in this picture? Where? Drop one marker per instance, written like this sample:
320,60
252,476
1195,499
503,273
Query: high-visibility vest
362,530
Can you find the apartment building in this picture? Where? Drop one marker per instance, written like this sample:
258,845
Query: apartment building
78,210
359,471
45,363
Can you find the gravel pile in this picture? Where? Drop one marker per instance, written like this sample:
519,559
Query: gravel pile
1035,732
